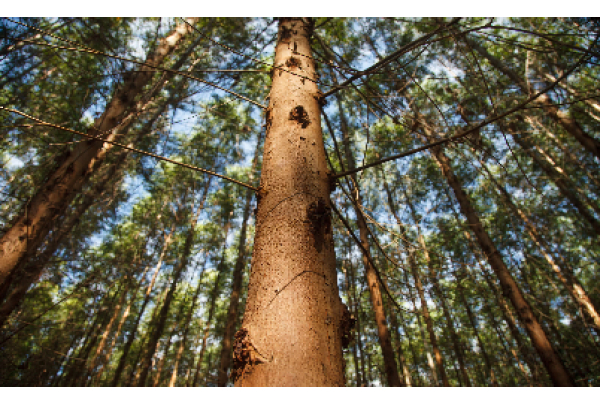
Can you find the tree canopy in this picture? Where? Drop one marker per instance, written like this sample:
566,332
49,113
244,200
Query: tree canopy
463,154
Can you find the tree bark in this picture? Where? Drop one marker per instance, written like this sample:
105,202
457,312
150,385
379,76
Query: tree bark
291,333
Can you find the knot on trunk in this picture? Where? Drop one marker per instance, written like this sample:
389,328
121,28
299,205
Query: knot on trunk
293,63
300,115
245,355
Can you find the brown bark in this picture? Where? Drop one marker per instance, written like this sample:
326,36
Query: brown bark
33,269
53,198
291,333
554,365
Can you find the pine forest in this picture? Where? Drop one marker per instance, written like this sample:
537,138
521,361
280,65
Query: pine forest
195,201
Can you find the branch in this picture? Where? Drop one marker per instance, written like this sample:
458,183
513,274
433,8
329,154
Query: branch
139,151
467,132
369,258
390,58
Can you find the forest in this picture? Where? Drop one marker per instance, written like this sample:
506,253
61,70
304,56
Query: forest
360,202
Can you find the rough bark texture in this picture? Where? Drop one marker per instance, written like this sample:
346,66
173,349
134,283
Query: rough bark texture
53,198
291,333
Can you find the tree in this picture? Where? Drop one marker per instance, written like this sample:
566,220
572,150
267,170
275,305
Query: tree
427,211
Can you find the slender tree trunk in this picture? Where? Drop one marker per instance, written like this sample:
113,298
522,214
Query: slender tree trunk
183,341
291,334
51,200
236,287
566,276
161,363
108,328
486,358
131,338
455,340
213,301
555,367
534,122
385,340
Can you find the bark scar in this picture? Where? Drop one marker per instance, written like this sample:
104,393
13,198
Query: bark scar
300,115
245,355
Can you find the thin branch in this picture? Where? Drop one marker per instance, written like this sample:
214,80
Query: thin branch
467,132
390,57
139,151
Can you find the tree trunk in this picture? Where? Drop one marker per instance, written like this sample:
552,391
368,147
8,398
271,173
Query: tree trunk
236,288
213,301
455,340
385,340
291,333
566,276
555,367
53,198
486,358
188,319
131,338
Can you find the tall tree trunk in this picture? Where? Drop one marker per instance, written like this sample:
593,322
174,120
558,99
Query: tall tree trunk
53,198
486,358
108,328
131,338
566,276
568,153
558,180
455,340
213,301
188,319
291,333
178,271
236,286
554,365
385,340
